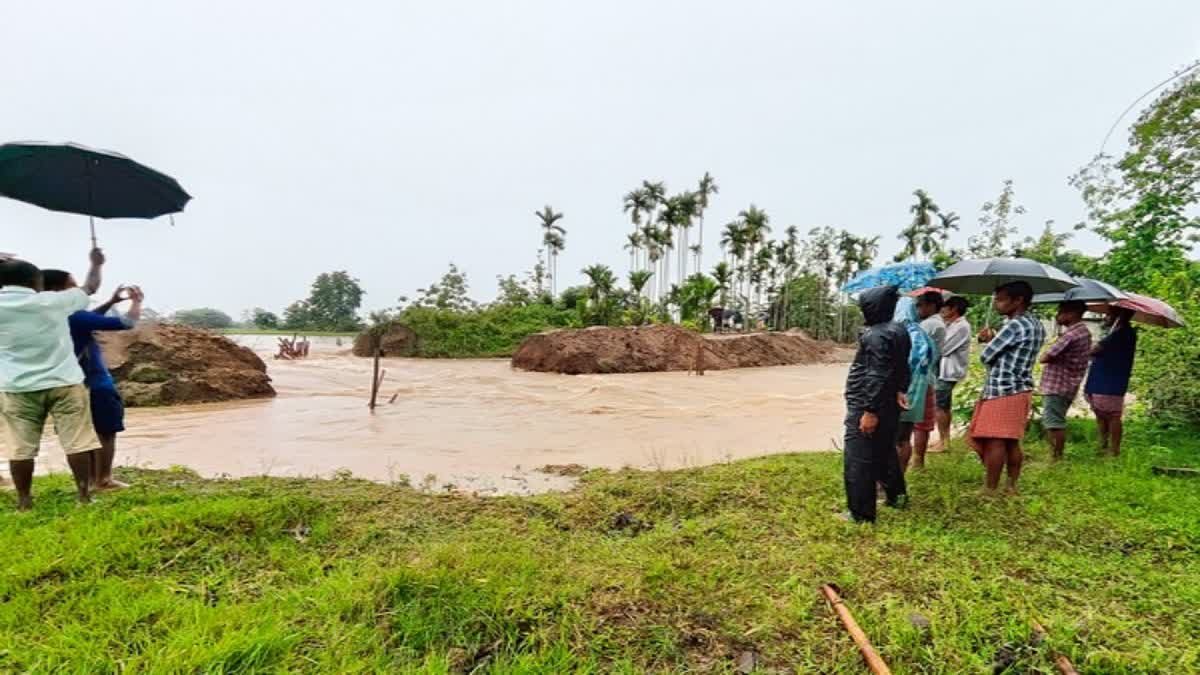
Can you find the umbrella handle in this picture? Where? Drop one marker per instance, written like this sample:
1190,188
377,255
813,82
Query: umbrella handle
92,225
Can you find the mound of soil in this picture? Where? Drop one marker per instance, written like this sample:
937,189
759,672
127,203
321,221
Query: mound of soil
161,364
662,348
397,341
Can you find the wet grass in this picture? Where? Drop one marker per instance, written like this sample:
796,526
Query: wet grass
634,572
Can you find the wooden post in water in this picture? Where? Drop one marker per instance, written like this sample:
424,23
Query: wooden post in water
874,662
375,379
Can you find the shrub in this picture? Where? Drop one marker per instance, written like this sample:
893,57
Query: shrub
493,331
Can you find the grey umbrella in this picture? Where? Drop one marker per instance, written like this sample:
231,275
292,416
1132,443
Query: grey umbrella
984,275
1088,290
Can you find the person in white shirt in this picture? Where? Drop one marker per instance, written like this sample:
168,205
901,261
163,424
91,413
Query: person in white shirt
40,376
956,352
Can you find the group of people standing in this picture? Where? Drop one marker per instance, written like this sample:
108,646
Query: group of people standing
913,353
52,367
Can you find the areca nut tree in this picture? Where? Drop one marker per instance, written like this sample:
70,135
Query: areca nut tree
707,188
553,237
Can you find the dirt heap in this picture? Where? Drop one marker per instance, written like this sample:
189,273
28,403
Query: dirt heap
161,364
398,340
662,348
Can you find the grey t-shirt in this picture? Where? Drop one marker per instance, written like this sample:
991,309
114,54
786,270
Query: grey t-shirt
956,351
935,328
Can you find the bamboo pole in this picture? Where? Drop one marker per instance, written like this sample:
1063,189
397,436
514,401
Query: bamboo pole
375,379
874,662
1062,662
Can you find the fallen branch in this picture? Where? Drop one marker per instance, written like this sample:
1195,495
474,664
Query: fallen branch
1187,472
874,662
1063,663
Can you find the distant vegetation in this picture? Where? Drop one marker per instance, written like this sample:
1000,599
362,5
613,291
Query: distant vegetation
204,317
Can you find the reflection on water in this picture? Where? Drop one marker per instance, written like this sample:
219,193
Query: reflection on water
481,425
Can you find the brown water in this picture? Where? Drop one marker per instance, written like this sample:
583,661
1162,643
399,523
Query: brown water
479,425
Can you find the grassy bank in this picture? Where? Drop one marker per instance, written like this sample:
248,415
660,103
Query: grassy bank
633,572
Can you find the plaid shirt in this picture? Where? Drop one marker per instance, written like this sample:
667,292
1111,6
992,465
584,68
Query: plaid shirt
1067,362
1010,357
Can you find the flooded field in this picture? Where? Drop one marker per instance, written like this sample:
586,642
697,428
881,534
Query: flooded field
480,425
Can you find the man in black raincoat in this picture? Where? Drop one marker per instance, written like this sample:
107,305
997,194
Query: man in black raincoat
875,395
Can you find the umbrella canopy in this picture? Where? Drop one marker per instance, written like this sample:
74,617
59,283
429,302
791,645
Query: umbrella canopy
906,276
1147,310
929,289
77,179
982,276
1088,290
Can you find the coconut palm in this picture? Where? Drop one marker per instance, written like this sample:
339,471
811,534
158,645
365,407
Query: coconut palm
708,188
554,240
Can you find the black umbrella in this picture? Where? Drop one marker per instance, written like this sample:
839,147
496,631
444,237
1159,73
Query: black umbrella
1088,290
94,183
984,275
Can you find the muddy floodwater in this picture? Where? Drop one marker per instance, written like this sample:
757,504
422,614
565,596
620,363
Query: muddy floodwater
480,425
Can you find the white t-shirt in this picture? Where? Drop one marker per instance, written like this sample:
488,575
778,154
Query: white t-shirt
36,352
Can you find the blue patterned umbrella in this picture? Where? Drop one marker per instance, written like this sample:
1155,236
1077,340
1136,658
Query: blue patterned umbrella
907,276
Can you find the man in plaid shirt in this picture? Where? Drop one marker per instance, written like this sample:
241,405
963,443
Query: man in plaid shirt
1003,409
1066,362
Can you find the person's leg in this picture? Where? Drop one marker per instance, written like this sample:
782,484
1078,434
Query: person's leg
995,455
108,418
1102,427
22,419
1058,441
22,478
919,446
904,445
1013,458
943,425
1116,429
72,411
81,471
859,471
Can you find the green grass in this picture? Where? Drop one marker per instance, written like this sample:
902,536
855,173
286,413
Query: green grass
632,572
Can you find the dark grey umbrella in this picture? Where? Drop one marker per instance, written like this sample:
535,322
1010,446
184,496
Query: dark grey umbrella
77,179
1088,290
984,275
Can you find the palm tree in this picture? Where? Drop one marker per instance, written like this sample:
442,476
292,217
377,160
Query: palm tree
919,236
637,202
948,222
723,275
656,195
633,244
755,223
553,238
651,242
667,218
708,188
731,233
638,280
685,208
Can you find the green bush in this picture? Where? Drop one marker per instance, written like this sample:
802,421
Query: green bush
493,331
1167,371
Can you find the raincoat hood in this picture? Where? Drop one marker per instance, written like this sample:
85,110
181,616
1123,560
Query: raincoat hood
878,304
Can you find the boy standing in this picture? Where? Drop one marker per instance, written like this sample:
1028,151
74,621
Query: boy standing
1002,412
875,395
956,351
39,376
108,410
929,306
1066,363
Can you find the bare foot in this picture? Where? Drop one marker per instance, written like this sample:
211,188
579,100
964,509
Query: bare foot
24,503
1011,491
110,484
988,493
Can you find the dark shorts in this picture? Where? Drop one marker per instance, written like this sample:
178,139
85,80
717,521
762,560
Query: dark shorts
1054,411
944,391
108,411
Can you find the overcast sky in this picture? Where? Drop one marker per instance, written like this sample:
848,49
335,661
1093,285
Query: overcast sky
390,138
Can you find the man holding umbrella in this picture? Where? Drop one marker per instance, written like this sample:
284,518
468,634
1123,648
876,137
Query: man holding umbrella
40,377
1002,413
